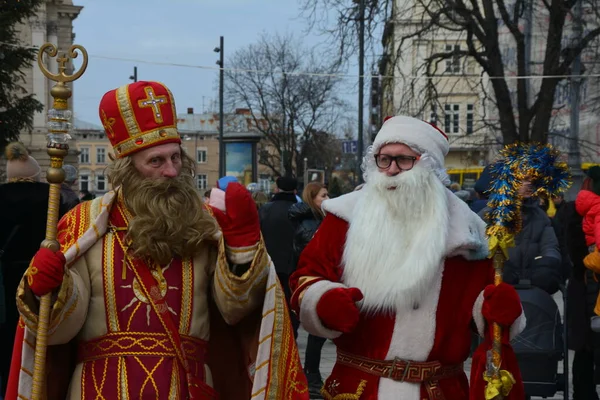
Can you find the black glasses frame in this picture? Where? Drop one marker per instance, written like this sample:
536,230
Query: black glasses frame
396,159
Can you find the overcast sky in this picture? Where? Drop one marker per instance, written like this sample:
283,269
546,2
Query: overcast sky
171,31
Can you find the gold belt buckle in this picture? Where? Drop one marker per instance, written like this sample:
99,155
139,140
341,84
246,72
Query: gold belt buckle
393,368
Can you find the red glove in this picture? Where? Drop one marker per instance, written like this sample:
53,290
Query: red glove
337,309
239,222
501,304
46,271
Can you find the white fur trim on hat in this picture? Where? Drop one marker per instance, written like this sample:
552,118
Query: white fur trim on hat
417,134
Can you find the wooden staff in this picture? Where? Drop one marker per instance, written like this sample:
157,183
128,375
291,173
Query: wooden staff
58,128
499,382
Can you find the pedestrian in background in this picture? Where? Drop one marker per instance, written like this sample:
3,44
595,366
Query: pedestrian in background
24,205
307,217
68,197
278,233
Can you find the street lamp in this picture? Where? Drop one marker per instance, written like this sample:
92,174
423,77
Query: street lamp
220,63
134,76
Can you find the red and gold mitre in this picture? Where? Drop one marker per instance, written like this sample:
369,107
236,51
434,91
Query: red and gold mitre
138,116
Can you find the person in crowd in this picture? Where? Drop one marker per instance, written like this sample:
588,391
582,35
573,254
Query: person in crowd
86,195
587,205
398,273
68,196
536,257
278,233
307,217
24,205
582,295
482,187
260,199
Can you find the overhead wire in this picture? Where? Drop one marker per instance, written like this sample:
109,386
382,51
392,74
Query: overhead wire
322,74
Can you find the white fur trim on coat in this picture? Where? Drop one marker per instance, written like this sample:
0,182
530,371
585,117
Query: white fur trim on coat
308,309
515,329
412,339
466,231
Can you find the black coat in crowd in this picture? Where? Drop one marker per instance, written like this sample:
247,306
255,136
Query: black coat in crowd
23,205
278,231
536,256
305,224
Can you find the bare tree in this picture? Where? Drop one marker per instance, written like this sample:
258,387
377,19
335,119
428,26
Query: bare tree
524,109
323,151
290,92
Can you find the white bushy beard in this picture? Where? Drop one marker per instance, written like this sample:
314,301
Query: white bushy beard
397,238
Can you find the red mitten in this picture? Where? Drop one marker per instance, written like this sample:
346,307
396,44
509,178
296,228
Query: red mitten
337,309
501,304
239,222
46,271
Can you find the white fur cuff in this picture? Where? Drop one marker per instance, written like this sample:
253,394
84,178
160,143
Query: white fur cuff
516,328
308,309
241,255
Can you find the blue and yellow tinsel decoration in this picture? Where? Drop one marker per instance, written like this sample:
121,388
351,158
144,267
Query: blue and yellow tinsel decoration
538,163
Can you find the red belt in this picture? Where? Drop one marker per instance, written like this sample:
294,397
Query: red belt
427,373
123,344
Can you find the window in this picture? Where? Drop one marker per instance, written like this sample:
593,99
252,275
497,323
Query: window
100,183
470,118
201,156
453,63
84,182
451,118
201,181
84,156
101,155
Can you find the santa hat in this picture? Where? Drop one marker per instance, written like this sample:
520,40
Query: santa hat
20,165
139,116
419,135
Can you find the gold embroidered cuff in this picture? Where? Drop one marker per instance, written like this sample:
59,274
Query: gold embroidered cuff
62,302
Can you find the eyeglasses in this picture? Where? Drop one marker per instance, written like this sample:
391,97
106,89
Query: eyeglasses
404,163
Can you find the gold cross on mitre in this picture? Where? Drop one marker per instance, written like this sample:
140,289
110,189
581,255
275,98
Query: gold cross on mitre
154,102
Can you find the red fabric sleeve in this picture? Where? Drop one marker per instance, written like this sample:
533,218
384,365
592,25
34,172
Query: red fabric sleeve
322,257
12,388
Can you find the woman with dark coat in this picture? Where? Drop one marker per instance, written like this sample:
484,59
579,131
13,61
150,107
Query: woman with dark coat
582,292
307,217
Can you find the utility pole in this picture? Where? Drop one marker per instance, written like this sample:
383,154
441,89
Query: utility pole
305,171
220,63
361,83
574,161
134,76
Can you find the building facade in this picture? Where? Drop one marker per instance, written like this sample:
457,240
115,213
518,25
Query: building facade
52,23
457,96
445,93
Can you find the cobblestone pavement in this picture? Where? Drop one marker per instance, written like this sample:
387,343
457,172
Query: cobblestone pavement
328,355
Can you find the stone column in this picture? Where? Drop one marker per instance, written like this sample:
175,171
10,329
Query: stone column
40,88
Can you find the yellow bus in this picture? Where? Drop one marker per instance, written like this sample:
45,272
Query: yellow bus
467,177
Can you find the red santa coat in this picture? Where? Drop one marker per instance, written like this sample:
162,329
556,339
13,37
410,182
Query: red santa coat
439,329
